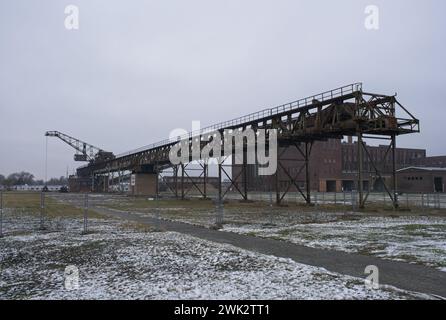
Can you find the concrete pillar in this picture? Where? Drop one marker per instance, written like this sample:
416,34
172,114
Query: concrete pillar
144,184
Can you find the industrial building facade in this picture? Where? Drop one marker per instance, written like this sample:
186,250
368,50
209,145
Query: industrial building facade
334,167
422,179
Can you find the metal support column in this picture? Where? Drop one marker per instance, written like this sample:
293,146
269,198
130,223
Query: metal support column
175,180
277,186
307,173
205,179
245,174
182,181
276,175
394,182
360,169
219,181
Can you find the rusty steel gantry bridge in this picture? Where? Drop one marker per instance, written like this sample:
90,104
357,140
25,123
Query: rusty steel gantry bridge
343,112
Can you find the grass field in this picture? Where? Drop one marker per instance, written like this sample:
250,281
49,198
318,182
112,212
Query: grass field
414,236
121,260
30,202
372,209
118,260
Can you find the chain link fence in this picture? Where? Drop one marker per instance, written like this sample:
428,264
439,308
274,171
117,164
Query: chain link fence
26,212
350,199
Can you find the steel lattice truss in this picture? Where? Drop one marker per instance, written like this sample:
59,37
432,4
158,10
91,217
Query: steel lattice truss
345,111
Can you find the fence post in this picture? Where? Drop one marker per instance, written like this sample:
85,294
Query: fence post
407,200
271,204
42,210
219,214
157,212
270,198
422,200
1,214
85,213
353,200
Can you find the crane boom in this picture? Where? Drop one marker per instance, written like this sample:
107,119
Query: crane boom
85,151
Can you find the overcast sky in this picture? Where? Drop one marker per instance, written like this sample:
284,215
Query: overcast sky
135,70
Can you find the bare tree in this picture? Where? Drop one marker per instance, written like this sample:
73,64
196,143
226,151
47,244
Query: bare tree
20,178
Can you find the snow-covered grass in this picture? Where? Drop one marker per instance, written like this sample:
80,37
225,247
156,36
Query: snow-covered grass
414,237
411,239
245,215
119,260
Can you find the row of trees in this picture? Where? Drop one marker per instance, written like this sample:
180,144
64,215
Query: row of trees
23,178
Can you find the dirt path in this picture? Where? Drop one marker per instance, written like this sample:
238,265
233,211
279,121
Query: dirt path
401,275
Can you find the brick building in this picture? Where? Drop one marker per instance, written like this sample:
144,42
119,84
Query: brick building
334,166
432,162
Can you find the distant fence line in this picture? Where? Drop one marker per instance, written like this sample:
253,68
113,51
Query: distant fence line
347,199
350,199
413,200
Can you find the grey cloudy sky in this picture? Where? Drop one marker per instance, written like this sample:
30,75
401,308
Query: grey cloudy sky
137,69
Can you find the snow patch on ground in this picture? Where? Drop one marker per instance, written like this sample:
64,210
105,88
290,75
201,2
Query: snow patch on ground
411,239
116,261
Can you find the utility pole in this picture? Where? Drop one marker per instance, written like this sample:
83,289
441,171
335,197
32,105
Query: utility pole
42,210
